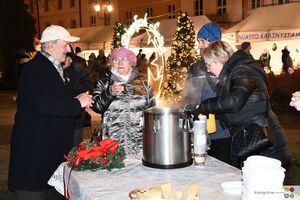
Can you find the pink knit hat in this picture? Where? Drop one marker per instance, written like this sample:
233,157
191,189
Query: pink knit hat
124,53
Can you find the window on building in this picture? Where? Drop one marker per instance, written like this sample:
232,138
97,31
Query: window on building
73,23
149,12
128,18
221,6
171,11
72,3
283,1
46,5
106,19
93,20
198,7
59,4
255,4
92,1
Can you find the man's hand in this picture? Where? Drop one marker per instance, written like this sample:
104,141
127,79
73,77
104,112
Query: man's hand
85,99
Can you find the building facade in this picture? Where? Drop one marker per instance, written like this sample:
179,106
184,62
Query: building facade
82,13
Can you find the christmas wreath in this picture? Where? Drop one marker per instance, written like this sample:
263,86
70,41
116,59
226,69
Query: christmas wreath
104,154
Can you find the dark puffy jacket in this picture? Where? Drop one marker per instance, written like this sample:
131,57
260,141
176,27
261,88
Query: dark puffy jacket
242,100
241,94
201,85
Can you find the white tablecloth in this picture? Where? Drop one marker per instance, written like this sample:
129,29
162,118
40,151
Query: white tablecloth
116,184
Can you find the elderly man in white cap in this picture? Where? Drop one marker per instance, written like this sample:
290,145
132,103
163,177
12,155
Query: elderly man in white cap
44,121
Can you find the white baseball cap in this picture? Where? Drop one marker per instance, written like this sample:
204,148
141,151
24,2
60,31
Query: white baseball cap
55,32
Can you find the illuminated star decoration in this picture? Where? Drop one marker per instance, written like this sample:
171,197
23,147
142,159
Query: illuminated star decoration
157,40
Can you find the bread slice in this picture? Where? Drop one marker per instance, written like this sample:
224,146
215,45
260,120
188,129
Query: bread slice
168,191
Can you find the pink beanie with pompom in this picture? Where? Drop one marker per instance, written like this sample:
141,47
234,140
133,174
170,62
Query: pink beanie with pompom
124,53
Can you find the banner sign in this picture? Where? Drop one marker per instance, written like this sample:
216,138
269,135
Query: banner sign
268,36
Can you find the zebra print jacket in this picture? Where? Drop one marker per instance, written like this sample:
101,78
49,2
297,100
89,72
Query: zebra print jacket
122,113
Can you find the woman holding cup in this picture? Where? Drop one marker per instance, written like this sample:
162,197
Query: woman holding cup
121,97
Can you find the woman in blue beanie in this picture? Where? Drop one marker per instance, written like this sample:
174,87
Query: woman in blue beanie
203,83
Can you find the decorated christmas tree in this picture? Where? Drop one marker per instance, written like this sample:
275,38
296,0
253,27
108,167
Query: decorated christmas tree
183,54
119,30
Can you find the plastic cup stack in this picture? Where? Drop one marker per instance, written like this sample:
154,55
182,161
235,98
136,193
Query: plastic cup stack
262,179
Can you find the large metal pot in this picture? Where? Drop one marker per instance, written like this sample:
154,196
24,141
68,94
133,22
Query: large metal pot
166,138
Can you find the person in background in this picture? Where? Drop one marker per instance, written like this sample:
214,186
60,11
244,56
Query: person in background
201,85
287,62
76,57
265,58
75,70
78,52
246,47
121,97
92,67
101,63
44,121
101,57
139,57
143,66
295,100
242,97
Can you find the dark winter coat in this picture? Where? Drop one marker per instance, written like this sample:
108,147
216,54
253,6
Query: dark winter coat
80,81
241,94
201,85
242,101
44,125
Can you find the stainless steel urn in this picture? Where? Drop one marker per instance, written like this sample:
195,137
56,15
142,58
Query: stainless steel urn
166,138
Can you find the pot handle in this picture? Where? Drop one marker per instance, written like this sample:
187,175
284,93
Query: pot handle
186,124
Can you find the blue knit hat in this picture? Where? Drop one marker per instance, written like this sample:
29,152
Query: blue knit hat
210,32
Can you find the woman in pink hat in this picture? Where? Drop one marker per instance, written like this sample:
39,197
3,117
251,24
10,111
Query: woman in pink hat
121,97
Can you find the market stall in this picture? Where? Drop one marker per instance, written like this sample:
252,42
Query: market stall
93,39
270,29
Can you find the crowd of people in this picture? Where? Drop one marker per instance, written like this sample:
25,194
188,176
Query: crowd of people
57,85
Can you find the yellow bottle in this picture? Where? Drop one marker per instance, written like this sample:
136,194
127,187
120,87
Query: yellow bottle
211,124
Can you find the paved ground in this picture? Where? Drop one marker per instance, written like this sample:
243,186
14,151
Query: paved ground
8,108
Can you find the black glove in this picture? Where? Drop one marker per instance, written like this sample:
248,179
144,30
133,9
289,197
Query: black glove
195,113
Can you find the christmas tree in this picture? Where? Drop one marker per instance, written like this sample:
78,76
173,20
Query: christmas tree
119,30
183,54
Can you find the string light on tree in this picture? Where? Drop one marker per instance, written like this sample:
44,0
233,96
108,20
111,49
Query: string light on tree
119,30
183,54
